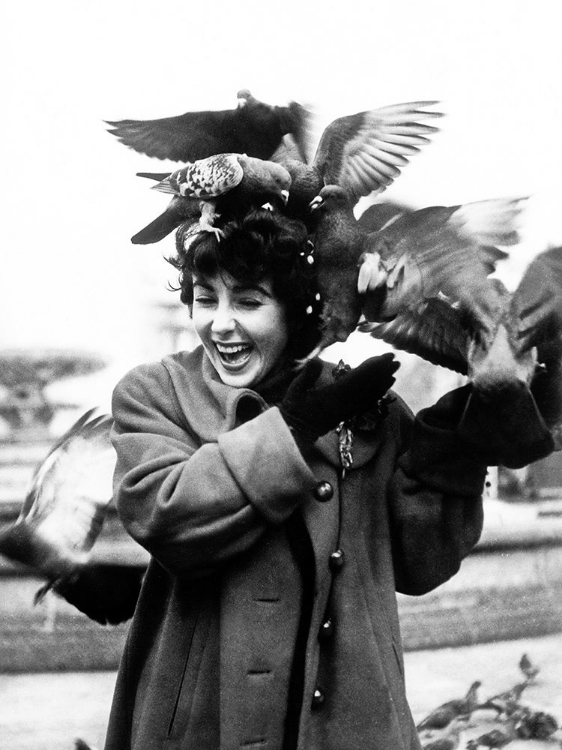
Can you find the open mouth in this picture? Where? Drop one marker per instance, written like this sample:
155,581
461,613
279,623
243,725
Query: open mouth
234,355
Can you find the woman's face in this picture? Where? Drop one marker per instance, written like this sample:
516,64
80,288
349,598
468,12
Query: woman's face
242,328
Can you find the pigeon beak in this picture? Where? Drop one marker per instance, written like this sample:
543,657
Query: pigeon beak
315,203
285,196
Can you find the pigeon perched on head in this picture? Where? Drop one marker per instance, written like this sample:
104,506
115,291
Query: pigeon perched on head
362,153
224,185
252,128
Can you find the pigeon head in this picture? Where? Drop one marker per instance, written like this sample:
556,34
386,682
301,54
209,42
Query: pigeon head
330,197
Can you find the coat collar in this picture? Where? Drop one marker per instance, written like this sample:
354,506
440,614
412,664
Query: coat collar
215,408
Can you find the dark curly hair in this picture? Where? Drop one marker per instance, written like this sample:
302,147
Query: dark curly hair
263,244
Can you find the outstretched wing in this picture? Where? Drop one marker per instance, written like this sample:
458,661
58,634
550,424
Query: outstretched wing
365,152
253,127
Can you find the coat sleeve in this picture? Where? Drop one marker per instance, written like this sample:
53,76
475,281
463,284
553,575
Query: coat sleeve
192,506
435,499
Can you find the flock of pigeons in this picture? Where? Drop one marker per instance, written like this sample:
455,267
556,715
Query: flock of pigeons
421,280
492,723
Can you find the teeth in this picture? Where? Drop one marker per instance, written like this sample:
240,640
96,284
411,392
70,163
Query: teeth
231,348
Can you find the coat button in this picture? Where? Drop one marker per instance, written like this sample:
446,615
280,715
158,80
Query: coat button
336,560
318,698
326,629
323,492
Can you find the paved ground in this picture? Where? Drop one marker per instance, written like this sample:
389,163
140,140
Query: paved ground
47,711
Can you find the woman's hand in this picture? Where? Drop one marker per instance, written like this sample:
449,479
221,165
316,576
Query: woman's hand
311,412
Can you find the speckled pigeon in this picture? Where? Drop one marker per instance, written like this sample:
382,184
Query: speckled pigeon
224,185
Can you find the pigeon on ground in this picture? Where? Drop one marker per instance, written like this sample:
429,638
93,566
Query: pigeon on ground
363,153
224,185
443,715
449,739
497,737
528,668
507,703
252,128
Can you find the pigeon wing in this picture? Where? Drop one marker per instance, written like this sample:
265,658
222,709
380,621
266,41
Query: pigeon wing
204,178
67,501
253,127
437,295
365,152
433,331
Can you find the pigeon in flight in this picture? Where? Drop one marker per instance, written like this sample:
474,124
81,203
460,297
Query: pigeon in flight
61,519
380,272
66,504
428,292
252,128
224,185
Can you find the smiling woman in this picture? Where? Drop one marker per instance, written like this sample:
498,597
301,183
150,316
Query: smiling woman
283,506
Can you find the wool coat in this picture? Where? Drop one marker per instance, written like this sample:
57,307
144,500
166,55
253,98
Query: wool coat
268,619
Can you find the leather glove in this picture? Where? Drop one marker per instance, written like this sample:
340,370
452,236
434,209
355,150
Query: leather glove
311,412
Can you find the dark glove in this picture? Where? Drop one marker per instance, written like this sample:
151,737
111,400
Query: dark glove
438,455
502,429
505,429
105,593
311,412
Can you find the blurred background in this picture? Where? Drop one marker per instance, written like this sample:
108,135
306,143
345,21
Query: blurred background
80,305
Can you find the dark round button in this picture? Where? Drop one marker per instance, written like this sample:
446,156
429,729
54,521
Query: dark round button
318,698
336,560
323,492
326,629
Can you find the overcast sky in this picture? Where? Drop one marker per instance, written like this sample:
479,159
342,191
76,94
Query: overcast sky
71,201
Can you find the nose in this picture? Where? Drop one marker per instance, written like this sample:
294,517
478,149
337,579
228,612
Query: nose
223,319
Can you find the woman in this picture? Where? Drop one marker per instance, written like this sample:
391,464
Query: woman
267,618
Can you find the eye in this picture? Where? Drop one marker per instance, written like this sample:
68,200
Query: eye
204,300
250,302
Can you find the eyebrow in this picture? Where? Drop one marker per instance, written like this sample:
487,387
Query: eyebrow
238,288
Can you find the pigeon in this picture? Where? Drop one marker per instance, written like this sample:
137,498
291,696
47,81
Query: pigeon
363,153
61,519
443,715
414,256
449,739
223,185
497,737
66,504
507,703
428,292
528,668
252,128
